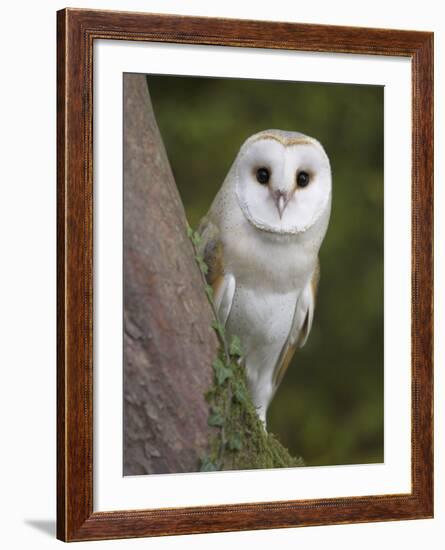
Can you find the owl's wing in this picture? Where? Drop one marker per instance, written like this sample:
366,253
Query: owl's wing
223,284
300,328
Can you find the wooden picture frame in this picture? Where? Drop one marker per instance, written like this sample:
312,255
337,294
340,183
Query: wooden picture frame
76,32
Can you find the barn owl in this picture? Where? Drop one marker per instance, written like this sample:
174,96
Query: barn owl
260,240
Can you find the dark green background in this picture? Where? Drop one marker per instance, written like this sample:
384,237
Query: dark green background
329,408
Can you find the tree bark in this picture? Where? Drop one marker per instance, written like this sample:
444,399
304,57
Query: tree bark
169,344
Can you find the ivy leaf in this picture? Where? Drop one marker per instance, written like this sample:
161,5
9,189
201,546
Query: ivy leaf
219,328
239,393
235,443
196,238
202,265
209,292
235,347
189,232
207,465
221,371
216,419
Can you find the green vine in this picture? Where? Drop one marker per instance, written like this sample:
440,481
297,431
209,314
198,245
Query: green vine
239,440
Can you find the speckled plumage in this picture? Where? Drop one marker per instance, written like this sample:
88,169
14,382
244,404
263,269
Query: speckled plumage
263,255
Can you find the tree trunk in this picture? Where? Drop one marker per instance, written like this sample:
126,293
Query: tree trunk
169,344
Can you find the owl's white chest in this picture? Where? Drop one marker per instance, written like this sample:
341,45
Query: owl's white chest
263,321
270,274
277,264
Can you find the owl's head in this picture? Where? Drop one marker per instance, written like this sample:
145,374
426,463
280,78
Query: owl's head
283,181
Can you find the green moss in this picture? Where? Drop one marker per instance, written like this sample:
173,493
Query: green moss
239,440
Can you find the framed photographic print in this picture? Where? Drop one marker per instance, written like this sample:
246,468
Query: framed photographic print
245,228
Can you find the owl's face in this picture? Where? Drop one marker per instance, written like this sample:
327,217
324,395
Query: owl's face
283,181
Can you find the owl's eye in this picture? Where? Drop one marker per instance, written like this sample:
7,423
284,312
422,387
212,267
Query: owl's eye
302,179
262,175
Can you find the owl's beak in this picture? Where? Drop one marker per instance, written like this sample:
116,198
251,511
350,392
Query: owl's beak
281,200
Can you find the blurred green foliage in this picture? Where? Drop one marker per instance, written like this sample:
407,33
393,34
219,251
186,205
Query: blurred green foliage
329,408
